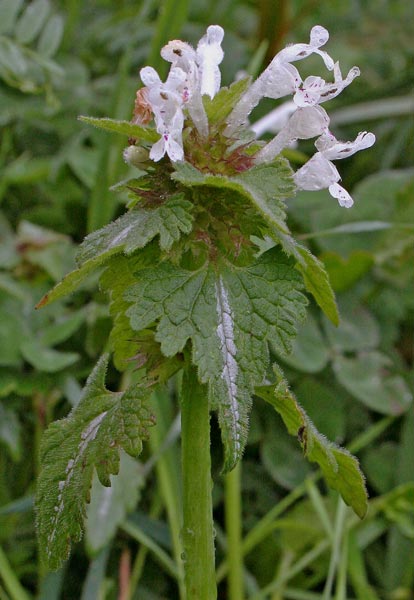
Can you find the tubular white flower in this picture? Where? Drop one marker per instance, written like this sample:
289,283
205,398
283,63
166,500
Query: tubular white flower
334,149
170,142
315,90
166,102
209,56
320,173
305,123
182,55
280,77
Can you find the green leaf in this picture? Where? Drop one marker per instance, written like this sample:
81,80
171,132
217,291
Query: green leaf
9,9
10,432
344,273
340,468
90,437
369,377
139,226
328,413
310,352
124,127
317,282
32,21
357,331
131,231
46,359
110,505
228,312
51,36
117,277
224,101
264,187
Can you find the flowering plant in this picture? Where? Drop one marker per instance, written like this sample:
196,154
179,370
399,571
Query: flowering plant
193,288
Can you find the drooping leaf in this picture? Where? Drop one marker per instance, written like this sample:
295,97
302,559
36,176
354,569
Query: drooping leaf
90,437
124,127
317,283
228,312
133,230
339,467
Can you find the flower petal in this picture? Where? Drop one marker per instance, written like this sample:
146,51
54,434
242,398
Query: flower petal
209,55
334,149
338,192
317,174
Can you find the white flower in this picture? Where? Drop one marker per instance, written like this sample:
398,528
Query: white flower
182,55
209,56
171,139
315,90
280,78
305,123
166,102
320,173
333,149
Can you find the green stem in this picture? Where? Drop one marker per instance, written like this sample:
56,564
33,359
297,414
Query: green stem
168,475
336,548
12,584
198,532
234,533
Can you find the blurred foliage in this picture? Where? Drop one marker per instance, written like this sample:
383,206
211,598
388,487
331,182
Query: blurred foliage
62,59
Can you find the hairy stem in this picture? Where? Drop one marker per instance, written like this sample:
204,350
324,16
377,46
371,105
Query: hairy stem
198,532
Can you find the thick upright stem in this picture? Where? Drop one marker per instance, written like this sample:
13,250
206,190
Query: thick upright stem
198,532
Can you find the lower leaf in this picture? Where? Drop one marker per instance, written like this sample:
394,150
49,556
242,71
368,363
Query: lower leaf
340,469
90,437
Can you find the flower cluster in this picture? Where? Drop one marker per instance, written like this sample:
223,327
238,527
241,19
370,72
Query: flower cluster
178,103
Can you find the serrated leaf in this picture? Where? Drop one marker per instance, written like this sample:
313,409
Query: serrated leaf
117,277
131,231
229,313
340,469
124,127
264,186
109,505
90,437
139,226
218,108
